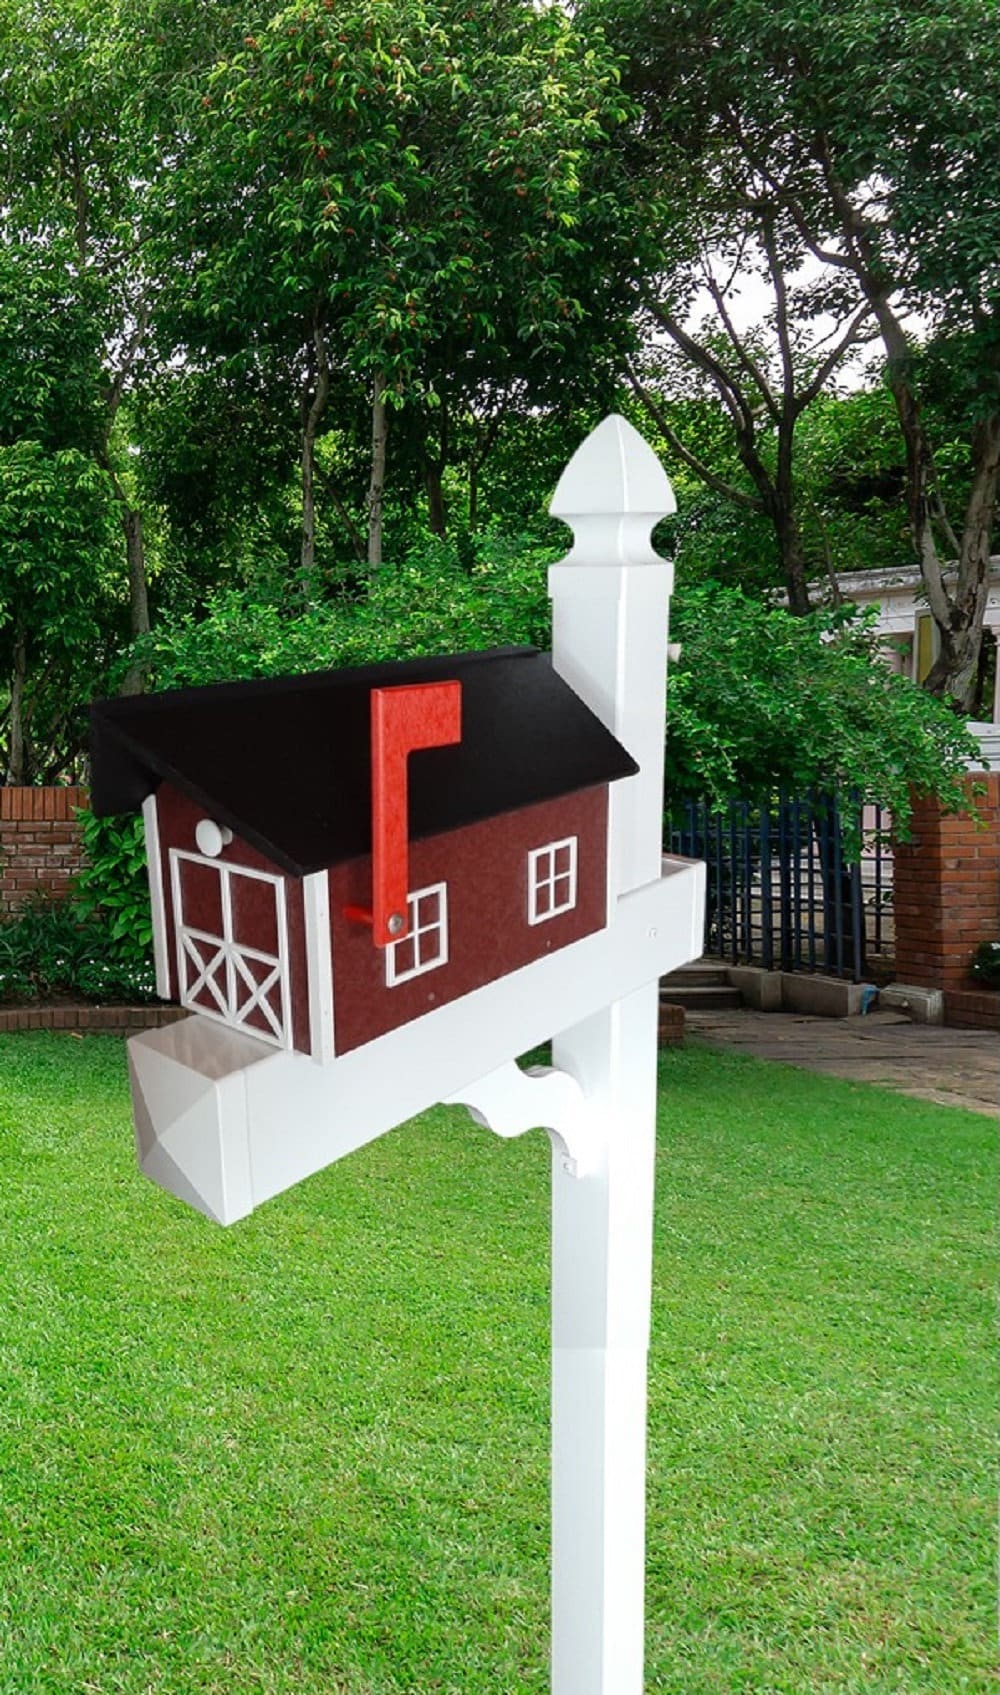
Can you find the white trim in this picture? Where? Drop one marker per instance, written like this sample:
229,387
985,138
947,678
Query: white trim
157,905
856,584
543,876
319,963
193,948
416,932
297,1117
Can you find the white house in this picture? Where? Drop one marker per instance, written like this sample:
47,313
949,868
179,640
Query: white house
911,637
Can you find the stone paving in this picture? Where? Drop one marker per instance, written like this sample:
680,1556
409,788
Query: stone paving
952,1067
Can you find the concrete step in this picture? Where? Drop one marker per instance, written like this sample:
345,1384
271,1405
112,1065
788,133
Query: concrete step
698,975
699,997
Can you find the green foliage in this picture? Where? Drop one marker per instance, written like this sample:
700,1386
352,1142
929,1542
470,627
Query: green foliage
349,129
761,700
431,602
50,352
111,886
217,447
844,157
95,944
53,948
986,964
757,699
400,198
58,605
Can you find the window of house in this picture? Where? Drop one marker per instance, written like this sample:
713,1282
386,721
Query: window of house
551,880
426,946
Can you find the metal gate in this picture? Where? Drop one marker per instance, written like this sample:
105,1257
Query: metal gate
799,884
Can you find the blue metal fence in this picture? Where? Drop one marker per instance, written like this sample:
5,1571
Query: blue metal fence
799,884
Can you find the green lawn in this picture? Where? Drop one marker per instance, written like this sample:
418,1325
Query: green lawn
308,1456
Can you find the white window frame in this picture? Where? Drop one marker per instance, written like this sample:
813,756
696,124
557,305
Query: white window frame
212,957
543,877
416,934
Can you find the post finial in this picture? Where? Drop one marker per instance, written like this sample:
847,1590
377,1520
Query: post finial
611,494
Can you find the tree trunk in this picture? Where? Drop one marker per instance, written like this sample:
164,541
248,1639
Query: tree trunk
777,498
376,486
138,593
958,671
135,559
17,765
437,516
959,617
477,458
793,563
357,540
310,430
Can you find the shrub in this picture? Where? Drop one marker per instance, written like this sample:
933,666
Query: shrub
437,600
111,888
986,964
761,700
51,948
758,700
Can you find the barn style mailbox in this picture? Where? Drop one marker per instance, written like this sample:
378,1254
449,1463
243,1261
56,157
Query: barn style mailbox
372,889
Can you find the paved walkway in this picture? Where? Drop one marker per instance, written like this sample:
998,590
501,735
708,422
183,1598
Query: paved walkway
952,1067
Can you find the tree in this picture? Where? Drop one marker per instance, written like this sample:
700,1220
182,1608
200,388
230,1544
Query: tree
57,605
918,226
87,104
214,443
51,364
766,378
825,117
72,196
707,225
393,194
850,480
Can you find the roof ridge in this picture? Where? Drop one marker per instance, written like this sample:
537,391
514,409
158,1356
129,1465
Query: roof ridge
285,682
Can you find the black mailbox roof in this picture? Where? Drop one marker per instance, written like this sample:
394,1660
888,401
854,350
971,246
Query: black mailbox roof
285,761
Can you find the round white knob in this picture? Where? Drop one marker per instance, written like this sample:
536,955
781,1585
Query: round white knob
211,837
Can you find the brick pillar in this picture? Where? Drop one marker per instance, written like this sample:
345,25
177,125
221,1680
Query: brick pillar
947,900
39,843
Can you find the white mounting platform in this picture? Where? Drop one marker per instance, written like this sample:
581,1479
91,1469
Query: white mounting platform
225,1122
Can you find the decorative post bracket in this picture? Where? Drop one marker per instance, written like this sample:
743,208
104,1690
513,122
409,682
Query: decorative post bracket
510,1101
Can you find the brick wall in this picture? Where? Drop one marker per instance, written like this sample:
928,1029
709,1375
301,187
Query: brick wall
947,900
39,842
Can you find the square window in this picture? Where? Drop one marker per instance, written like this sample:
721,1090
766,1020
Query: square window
426,946
551,880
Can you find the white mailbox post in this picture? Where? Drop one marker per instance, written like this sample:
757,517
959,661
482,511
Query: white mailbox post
611,600
226,1121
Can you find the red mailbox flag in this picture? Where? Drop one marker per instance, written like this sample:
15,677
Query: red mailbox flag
404,719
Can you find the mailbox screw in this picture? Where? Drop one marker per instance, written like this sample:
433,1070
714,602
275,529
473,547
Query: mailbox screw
395,923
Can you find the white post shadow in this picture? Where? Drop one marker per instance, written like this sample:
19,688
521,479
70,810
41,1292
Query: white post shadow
610,629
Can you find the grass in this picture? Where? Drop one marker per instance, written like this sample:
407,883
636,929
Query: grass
310,1454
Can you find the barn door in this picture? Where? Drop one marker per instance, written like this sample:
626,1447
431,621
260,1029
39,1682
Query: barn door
232,945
